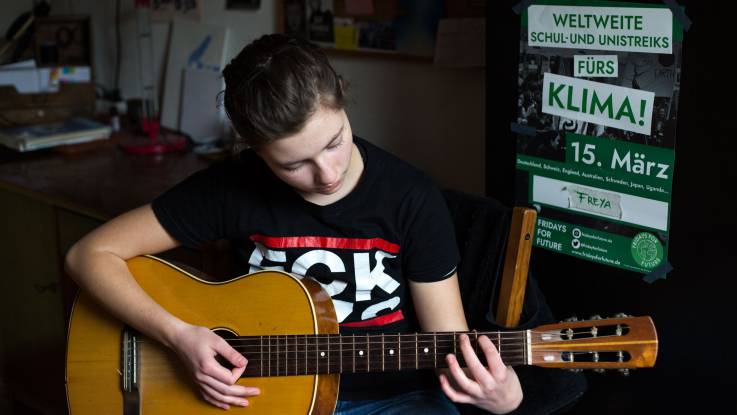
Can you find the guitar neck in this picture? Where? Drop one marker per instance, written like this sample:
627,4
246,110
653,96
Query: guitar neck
289,355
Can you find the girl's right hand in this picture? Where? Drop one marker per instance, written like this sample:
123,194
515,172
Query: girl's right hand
197,347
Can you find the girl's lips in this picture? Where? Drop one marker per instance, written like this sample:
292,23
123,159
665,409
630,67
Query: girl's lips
329,188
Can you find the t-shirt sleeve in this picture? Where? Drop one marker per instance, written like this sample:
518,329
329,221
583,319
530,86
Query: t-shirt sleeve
431,253
193,210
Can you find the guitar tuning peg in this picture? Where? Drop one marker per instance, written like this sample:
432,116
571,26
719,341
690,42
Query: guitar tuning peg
599,370
571,319
575,370
595,317
624,372
621,315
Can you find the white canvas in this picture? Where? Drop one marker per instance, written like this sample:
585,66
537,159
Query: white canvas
193,45
200,116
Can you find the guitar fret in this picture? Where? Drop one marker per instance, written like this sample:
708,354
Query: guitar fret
261,353
328,371
399,349
368,354
499,342
383,352
317,358
277,355
340,341
477,342
524,352
354,352
435,349
417,354
269,340
305,354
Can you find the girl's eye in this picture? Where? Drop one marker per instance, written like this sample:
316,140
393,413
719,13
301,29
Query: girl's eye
336,144
294,168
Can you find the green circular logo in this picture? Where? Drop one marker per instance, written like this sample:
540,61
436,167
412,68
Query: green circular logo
646,250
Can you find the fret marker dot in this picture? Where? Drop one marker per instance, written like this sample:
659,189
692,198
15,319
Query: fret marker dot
360,352
426,350
322,354
391,351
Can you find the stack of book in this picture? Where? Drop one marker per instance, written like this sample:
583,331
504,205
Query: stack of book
72,131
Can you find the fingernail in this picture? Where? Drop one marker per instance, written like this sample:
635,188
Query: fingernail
243,403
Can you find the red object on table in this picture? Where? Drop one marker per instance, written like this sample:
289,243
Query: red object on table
158,142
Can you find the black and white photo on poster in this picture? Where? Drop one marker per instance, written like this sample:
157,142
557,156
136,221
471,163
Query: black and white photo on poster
651,72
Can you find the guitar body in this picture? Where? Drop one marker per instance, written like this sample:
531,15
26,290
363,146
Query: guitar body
263,303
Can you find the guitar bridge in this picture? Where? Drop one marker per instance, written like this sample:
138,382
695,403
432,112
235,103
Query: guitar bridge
130,370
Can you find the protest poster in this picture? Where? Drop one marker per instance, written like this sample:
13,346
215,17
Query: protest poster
596,114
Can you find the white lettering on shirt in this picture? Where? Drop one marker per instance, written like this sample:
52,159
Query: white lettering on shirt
370,312
261,252
367,279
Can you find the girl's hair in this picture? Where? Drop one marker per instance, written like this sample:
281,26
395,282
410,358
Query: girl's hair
274,86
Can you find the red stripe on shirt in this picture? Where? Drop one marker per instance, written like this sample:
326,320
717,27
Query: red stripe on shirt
377,321
356,244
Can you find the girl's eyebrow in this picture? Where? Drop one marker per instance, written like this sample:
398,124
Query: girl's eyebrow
336,136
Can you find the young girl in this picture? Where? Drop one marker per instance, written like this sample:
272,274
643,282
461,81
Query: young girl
310,198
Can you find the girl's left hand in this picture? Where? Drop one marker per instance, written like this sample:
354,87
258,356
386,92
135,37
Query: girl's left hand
495,389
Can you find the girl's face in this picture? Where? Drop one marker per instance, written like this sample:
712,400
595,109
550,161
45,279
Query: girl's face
320,162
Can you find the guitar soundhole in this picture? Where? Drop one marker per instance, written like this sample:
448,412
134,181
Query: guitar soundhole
226,334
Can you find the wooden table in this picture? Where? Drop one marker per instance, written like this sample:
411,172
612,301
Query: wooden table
48,201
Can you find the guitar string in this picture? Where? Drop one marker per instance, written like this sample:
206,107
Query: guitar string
439,335
408,344
275,341
320,339
313,366
409,362
349,354
336,346
256,341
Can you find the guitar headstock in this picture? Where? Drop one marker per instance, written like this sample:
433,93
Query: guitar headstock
622,342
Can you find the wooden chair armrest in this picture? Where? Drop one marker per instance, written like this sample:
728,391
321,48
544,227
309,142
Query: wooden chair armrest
516,265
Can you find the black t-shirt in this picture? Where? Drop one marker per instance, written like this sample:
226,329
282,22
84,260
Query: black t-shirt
362,249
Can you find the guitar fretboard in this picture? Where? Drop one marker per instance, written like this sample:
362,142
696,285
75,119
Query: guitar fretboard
290,355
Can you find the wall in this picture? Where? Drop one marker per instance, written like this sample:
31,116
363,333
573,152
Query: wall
432,117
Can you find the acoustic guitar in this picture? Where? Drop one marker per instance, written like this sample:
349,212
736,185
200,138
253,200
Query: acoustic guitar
287,329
